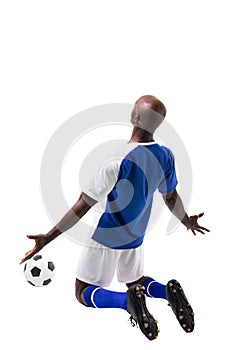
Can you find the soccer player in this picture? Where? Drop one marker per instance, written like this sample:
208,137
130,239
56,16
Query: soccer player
128,183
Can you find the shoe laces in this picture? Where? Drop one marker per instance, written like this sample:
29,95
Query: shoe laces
133,321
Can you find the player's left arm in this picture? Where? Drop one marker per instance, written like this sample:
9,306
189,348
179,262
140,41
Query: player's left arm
78,210
98,188
175,204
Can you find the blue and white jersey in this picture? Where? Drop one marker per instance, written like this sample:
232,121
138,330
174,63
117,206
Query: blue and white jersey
129,183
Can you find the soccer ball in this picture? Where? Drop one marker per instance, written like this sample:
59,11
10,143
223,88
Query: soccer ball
39,271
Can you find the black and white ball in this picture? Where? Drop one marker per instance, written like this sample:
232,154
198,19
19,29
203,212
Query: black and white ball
39,271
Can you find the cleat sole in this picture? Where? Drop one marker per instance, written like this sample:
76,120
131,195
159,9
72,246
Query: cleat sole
136,306
180,305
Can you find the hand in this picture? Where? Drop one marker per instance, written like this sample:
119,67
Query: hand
40,241
193,225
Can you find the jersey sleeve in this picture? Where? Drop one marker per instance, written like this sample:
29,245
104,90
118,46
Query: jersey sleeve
169,182
103,181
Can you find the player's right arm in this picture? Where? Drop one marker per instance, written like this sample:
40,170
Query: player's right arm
175,204
172,199
80,208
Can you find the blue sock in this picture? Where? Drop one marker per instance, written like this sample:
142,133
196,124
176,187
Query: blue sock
102,298
154,289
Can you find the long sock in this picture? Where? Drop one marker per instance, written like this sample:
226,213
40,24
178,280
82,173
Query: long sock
155,289
102,298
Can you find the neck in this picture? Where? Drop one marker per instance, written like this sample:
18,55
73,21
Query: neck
140,135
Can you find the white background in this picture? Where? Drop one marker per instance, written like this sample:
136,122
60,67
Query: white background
60,57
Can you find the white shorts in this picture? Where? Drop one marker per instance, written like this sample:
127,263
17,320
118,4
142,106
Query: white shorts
97,264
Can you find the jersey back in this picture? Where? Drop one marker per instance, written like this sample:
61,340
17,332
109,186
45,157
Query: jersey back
142,171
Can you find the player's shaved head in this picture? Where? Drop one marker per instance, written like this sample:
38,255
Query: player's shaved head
152,102
148,113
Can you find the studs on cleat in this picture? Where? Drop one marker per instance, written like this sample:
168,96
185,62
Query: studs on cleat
180,305
156,337
193,323
136,306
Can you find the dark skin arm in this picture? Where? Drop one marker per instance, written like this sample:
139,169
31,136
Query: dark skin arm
84,203
175,204
80,208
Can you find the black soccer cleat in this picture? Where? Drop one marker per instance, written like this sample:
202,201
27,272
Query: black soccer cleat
180,305
136,306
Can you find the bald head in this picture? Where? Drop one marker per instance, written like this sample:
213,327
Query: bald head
153,103
148,113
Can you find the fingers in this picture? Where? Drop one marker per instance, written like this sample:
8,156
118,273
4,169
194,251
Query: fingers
28,255
23,260
198,230
30,251
32,236
203,228
39,243
26,258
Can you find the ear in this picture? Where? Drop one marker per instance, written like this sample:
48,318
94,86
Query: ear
137,119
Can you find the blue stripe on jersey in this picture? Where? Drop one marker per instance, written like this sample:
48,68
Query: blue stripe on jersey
144,170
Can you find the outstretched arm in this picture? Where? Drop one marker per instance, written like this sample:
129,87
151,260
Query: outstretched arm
175,204
80,208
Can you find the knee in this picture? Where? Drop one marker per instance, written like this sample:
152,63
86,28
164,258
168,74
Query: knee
139,281
80,286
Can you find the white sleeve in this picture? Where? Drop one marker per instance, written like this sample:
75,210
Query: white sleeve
103,181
